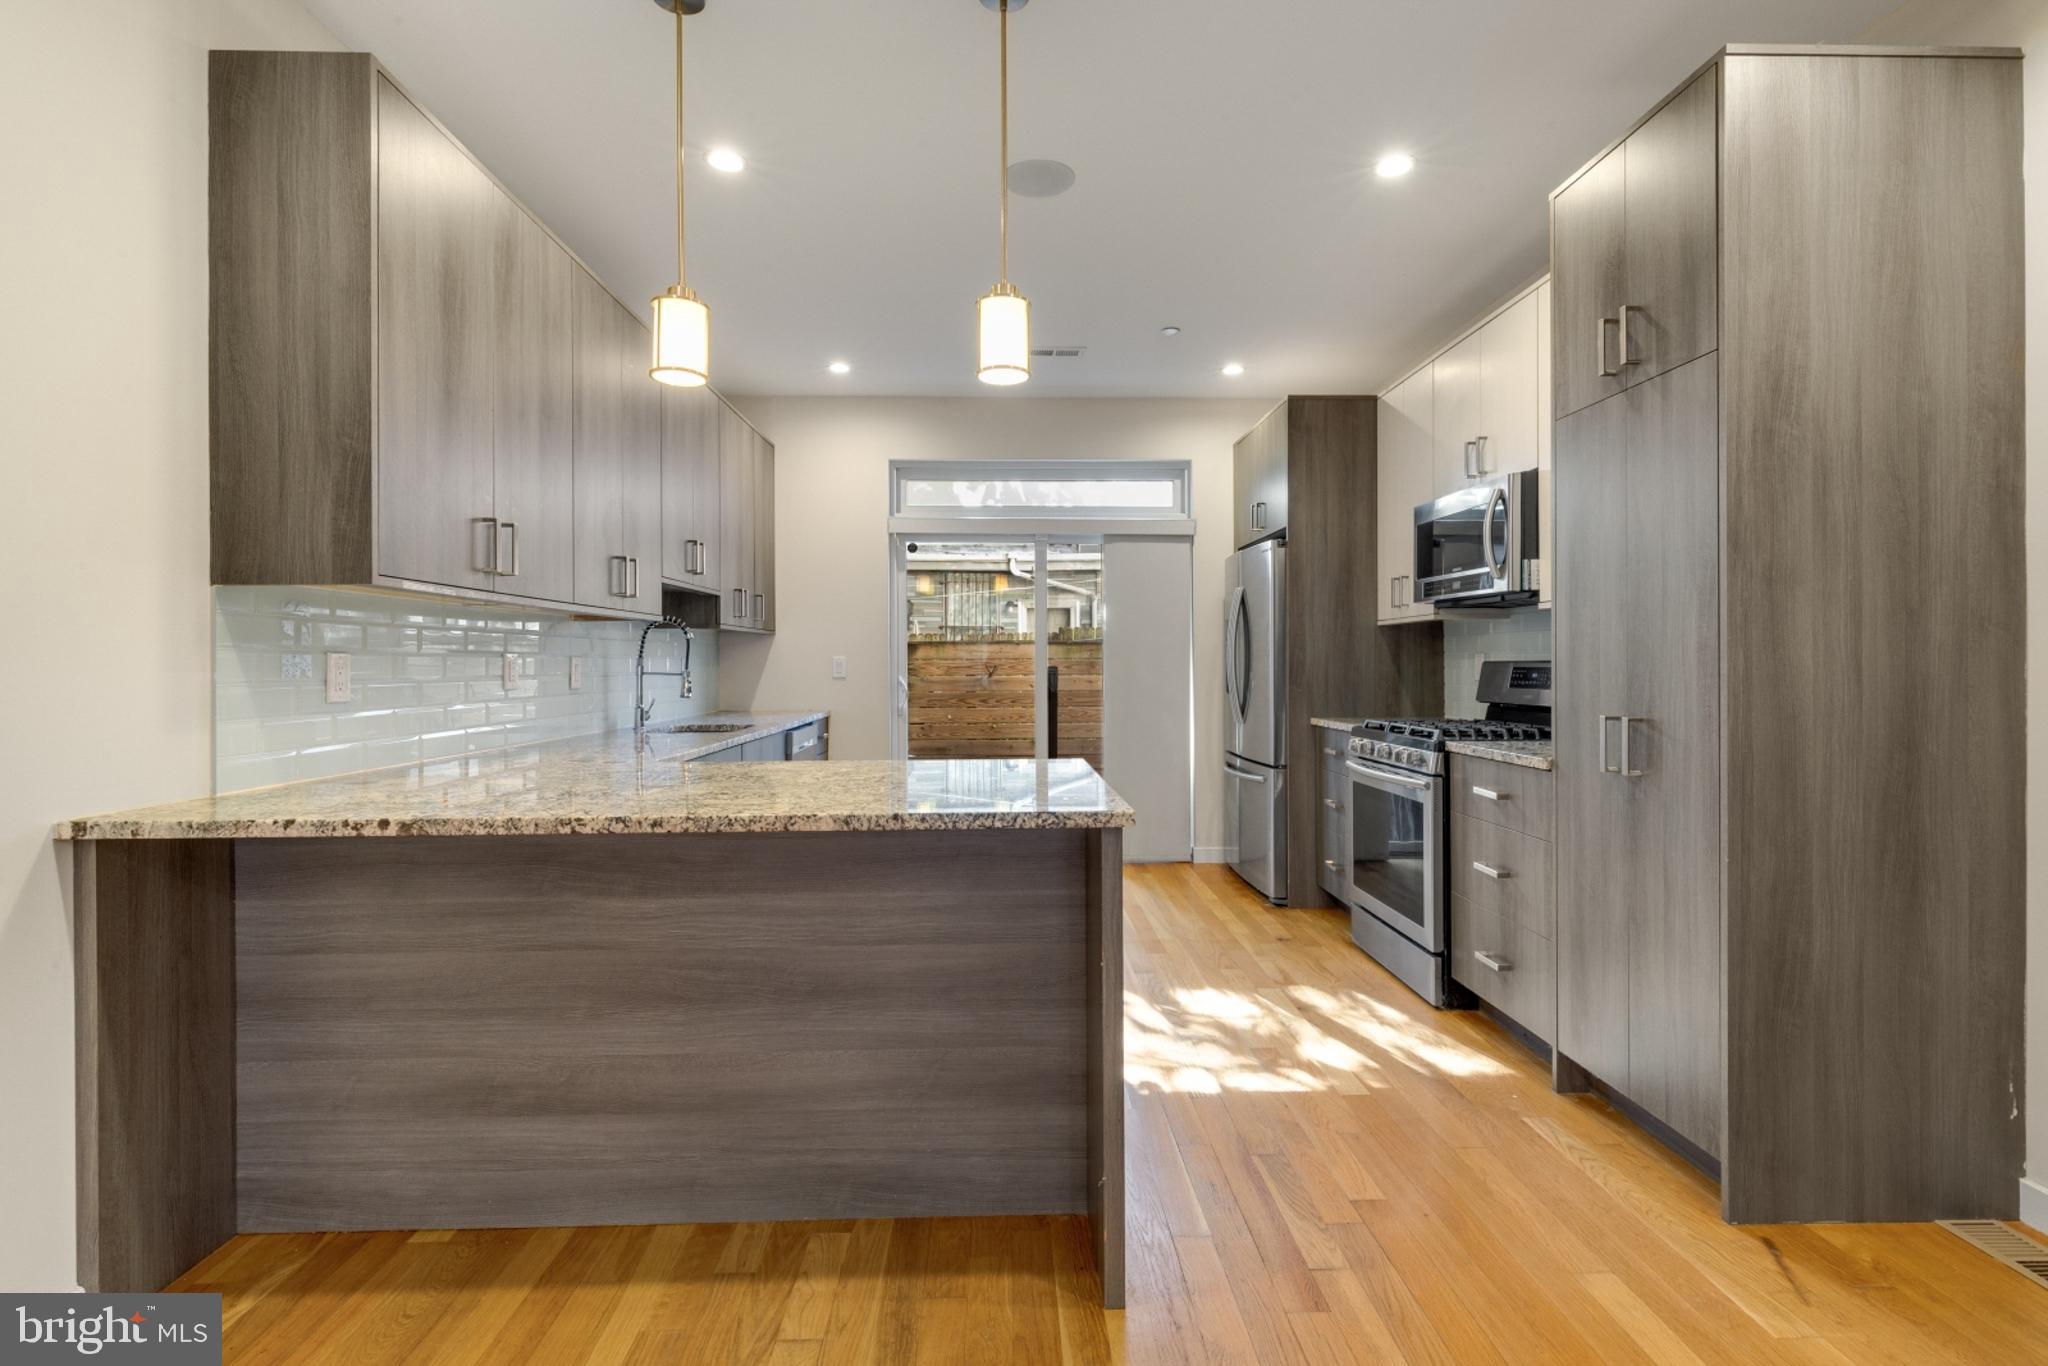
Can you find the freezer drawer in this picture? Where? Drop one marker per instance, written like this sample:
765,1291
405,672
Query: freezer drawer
1255,814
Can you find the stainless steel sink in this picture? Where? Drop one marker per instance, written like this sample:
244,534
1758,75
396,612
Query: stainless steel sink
709,727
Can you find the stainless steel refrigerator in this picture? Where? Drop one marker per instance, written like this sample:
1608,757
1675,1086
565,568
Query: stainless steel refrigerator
1255,685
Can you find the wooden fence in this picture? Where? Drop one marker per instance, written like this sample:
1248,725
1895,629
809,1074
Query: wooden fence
975,700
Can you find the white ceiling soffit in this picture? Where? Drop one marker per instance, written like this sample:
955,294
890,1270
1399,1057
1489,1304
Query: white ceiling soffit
1223,154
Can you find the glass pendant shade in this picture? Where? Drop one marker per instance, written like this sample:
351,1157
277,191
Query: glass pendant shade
1005,336
682,339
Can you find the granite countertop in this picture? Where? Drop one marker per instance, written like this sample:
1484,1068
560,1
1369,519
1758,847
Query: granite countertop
1521,753
623,784
1344,723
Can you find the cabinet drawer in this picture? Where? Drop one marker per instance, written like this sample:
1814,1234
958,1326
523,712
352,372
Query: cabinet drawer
1523,981
1503,794
1332,745
1522,881
1330,855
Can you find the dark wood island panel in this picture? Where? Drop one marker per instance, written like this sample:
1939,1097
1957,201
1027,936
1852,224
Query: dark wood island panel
511,1031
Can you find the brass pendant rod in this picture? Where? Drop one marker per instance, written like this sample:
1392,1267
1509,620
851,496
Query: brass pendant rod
1004,273
680,273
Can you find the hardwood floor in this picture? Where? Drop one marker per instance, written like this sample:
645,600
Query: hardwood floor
1322,1170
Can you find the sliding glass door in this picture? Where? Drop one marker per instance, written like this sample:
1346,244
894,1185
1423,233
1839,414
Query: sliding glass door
999,647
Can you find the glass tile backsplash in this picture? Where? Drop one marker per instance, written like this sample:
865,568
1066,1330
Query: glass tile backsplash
1468,643
427,681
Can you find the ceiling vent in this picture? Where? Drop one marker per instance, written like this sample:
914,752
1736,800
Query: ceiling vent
1058,352
2004,1242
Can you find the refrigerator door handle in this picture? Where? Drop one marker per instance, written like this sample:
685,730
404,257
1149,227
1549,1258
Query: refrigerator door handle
1243,636
1230,645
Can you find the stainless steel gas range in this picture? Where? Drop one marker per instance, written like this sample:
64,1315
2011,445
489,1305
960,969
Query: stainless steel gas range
1396,821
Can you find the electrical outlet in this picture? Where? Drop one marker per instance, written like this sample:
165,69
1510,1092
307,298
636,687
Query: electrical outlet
839,666
338,685
575,672
511,672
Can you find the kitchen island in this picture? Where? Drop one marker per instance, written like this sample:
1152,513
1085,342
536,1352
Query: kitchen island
597,982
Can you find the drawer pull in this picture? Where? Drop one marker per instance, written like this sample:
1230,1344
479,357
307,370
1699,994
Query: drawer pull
1494,961
1487,870
1488,793
1333,803
1331,864
1333,753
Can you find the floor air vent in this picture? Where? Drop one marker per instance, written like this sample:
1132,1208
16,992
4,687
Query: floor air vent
2004,1242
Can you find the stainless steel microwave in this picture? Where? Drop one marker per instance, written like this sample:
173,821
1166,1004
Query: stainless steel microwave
1481,546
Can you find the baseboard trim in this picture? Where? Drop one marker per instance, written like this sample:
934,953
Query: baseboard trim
1217,855
2034,1204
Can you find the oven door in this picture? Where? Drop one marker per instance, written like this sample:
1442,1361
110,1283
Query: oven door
1396,840
1464,543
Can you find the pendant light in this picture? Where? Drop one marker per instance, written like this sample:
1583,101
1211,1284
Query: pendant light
1004,313
682,323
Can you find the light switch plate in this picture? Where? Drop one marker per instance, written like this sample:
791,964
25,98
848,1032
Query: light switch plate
575,672
839,666
338,685
511,672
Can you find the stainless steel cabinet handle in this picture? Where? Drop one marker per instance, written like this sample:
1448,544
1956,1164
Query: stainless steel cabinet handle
1487,870
490,526
1621,326
632,576
1493,960
1470,472
1331,864
497,560
1333,803
1601,721
1479,457
1488,793
1600,348
760,614
1628,769
1258,516
615,568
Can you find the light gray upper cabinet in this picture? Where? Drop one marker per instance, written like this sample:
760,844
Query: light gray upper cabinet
689,489
736,528
764,533
534,422
1791,843
1634,262
436,328
404,361
1259,479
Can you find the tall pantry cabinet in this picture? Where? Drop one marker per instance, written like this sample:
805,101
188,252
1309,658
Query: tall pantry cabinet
1788,454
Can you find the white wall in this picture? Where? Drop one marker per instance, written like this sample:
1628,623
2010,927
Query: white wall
2023,24
832,567
103,527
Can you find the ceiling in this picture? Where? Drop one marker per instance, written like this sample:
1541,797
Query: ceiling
1223,155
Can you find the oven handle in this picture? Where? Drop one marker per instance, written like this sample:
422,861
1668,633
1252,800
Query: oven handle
1382,775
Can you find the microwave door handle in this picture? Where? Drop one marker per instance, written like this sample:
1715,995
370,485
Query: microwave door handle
1486,546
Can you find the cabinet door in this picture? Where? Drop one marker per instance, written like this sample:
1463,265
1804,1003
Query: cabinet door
1594,808
1508,405
1456,423
1672,199
736,518
640,470
764,532
1270,514
1245,472
600,449
689,487
1673,634
534,400
1545,432
436,230
1406,476
1586,244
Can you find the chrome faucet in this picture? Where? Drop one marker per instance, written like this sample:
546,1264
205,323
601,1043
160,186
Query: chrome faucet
642,706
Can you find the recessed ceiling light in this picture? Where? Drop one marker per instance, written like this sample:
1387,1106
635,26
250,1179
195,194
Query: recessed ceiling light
1393,165
840,367
1233,370
1169,331
725,159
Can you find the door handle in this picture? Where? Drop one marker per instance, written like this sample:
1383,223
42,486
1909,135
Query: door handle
496,560
1600,347
1601,721
1487,870
1628,769
1493,960
1621,326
